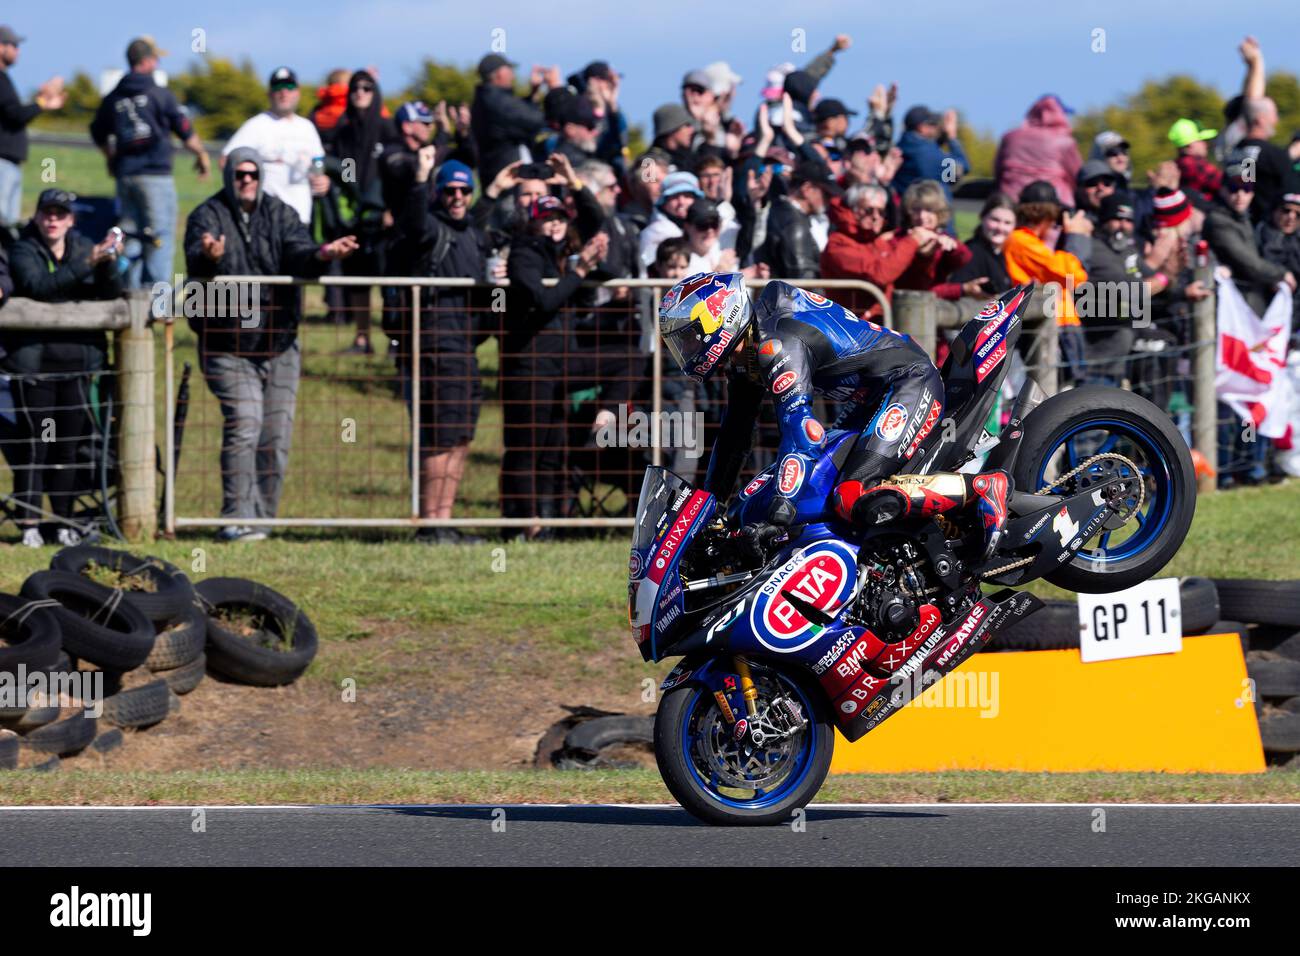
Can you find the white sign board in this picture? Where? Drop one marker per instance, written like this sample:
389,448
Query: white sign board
1146,619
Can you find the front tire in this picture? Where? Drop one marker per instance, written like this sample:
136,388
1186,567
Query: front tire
1072,426
687,737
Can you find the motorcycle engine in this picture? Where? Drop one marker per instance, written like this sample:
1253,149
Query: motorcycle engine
892,591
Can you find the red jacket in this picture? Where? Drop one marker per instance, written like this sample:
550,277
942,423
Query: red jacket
853,252
1040,148
931,272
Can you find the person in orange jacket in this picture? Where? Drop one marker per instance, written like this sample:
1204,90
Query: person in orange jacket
1030,259
331,100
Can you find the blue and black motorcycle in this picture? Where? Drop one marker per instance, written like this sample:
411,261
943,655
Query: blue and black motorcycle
839,629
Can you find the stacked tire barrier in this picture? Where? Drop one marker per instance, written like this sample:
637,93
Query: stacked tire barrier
152,633
1264,614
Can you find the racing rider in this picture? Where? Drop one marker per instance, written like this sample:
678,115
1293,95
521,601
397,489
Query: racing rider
794,344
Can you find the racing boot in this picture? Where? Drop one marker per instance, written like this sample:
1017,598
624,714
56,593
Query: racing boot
904,496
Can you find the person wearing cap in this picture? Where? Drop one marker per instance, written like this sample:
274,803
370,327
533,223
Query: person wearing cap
600,85
538,336
674,134
1041,148
578,125
1096,181
1117,260
1113,149
288,144
1197,173
703,231
1278,238
931,150
832,119
504,126
441,241
50,371
1030,259
790,248
14,117
677,194
1262,160
251,363
132,127
1231,236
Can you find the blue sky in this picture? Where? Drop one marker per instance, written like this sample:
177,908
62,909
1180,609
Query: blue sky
988,60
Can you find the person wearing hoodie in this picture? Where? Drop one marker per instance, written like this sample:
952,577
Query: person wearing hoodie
357,144
1231,236
132,127
251,362
51,372
1041,148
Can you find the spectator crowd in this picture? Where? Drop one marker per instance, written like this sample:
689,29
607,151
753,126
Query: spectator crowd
533,182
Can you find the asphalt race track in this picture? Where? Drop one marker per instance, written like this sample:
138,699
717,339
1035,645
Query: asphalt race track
883,834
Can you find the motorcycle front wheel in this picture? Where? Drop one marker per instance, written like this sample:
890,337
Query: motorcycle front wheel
729,783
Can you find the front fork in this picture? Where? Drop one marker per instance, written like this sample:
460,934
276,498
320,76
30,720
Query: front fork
747,688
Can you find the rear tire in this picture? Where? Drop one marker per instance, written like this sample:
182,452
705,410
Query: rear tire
1067,413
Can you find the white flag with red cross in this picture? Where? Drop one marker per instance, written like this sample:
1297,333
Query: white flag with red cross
1250,368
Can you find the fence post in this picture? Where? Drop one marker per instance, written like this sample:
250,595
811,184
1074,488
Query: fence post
1204,397
915,314
137,491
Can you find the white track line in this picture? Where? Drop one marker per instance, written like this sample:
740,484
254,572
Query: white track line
646,806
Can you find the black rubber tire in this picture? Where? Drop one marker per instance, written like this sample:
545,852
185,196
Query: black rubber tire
1200,603
598,733
122,643
679,780
1229,627
1275,678
1053,627
240,659
108,741
1280,732
1291,705
33,718
65,737
9,748
173,592
179,642
183,679
1260,602
31,637
1045,426
141,706
1289,647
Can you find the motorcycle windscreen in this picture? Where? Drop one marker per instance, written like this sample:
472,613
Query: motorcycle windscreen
669,512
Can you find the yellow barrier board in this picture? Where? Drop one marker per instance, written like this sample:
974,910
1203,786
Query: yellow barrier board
1048,711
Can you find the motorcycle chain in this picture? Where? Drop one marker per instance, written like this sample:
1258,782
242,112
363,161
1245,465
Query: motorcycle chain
1142,492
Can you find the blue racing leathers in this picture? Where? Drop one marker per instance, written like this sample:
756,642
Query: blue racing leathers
805,345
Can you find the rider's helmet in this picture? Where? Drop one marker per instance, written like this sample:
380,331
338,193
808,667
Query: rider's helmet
703,318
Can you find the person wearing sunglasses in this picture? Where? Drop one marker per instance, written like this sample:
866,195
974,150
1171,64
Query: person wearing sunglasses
1113,149
51,372
248,336
1232,239
1278,238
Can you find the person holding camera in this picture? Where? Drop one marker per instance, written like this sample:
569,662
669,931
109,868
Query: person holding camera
51,371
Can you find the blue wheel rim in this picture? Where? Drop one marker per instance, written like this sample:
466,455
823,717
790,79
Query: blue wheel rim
1154,514
763,799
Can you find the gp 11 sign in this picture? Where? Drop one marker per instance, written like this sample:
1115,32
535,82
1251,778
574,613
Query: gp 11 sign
1146,619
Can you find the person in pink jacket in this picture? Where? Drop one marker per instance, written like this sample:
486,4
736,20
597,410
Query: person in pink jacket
1041,148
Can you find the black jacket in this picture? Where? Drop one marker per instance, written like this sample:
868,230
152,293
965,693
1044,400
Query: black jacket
438,246
984,262
790,250
38,275
1232,240
271,240
135,121
537,313
501,123
14,117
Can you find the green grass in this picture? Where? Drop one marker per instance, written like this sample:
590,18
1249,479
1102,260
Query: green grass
213,788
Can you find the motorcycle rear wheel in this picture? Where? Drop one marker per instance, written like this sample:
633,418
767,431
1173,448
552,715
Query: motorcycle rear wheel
1071,427
694,748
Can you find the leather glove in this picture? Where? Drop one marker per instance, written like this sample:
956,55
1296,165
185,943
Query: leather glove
757,540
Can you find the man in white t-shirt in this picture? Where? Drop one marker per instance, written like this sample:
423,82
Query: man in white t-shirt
287,144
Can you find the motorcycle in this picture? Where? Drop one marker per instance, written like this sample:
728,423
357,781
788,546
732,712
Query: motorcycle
835,628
